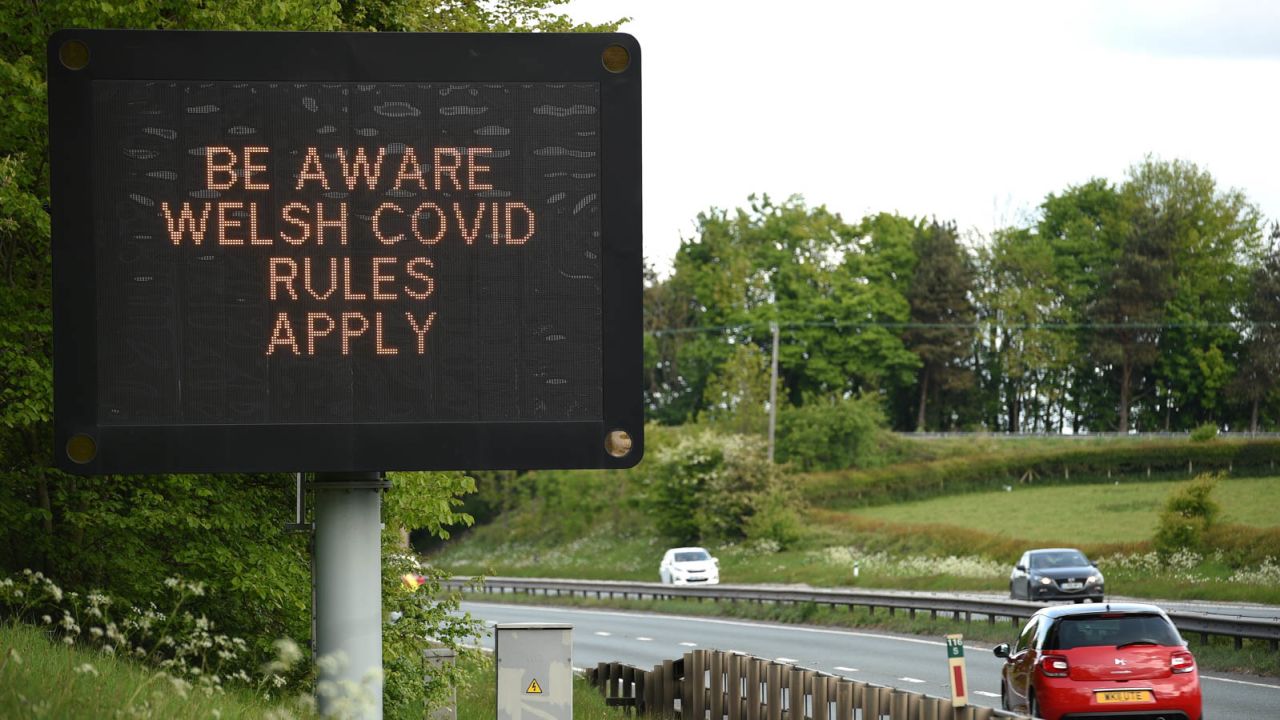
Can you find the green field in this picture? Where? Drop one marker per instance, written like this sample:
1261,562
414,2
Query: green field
1124,512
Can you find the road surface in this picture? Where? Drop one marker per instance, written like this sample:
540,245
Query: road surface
908,662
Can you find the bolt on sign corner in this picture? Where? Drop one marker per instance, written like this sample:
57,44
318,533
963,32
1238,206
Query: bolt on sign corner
345,252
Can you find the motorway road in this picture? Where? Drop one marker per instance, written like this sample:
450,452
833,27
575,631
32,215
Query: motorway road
908,662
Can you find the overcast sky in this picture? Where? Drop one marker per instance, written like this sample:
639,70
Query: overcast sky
970,111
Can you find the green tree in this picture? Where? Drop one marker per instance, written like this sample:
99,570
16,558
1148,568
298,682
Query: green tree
1257,379
1020,306
942,313
1213,236
737,397
1127,316
1083,226
822,280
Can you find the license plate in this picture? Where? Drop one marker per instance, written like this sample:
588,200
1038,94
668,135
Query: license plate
1071,586
1123,696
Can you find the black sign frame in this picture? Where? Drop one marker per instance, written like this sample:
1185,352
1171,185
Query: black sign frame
84,446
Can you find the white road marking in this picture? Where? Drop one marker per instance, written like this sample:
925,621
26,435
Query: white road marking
689,644
842,668
645,639
602,633
785,660
912,680
715,621
1240,682
984,693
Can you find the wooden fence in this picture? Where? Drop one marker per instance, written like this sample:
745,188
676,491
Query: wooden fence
718,685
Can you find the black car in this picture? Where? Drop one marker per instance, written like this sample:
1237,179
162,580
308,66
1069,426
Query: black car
1056,574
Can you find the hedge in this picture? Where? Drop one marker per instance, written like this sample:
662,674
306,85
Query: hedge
846,489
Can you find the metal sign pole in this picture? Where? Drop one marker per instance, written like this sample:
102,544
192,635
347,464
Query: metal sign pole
348,580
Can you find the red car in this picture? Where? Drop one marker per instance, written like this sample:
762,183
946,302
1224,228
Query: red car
1113,662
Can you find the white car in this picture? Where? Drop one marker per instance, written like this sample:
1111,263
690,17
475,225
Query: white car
689,566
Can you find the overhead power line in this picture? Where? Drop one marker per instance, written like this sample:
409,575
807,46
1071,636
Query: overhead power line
764,327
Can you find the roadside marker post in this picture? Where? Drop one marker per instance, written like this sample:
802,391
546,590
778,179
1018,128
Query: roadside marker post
959,677
535,671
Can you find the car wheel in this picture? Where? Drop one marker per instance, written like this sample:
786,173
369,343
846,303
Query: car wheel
1004,696
1012,595
1028,591
1033,706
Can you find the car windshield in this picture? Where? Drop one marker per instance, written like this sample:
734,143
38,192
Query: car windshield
1065,558
1111,630
692,556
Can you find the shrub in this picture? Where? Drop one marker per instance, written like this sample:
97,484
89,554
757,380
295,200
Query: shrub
914,481
830,434
1188,514
1204,433
708,486
775,523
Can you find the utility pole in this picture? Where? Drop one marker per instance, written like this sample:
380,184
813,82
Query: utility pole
773,390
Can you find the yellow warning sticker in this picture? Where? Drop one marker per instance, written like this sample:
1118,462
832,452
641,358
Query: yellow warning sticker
534,688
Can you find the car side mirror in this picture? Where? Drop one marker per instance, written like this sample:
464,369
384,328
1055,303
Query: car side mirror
1001,650
1023,568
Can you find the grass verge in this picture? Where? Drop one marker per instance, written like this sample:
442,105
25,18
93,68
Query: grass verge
43,679
1218,654
477,697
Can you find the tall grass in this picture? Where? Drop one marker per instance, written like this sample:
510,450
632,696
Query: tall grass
43,678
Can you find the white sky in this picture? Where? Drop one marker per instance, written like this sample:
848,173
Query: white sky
971,111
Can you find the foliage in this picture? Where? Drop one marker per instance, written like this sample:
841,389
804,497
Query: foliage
1084,463
420,614
1146,304
126,535
737,397
187,653
1188,514
1257,381
830,435
941,315
1204,433
708,487
40,678
828,284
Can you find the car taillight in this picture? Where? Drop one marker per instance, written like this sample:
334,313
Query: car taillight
1054,666
1182,662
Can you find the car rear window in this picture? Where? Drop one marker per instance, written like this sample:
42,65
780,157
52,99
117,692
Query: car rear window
1058,560
690,556
1110,629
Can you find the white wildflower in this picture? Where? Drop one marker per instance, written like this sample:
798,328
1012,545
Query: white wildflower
86,669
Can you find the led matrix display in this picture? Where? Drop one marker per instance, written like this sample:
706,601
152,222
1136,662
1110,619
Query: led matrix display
343,252
307,251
